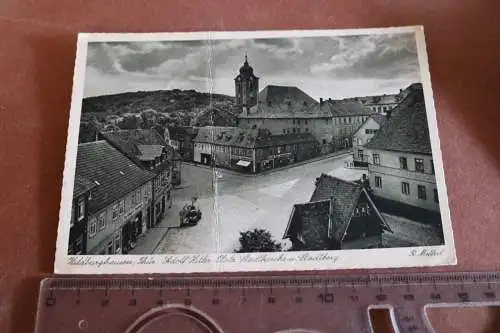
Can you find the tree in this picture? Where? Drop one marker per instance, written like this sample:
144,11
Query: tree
257,240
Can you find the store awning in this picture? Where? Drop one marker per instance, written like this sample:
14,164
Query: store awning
243,163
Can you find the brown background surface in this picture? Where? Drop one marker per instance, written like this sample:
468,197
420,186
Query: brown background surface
37,49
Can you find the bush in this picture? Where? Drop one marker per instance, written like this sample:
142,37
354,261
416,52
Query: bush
257,240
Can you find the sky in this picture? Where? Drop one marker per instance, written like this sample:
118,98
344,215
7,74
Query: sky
327,67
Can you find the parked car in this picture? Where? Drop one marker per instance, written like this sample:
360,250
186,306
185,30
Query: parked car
189,215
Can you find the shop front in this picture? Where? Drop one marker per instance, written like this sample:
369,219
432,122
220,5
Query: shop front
242,165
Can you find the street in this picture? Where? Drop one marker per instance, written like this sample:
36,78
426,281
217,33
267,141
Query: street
243,202
236,203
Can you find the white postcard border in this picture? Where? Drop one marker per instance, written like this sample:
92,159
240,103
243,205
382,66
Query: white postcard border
231,262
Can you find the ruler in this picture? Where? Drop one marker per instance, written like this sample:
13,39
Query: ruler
257,304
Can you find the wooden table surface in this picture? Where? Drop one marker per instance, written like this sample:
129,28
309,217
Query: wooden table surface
37,49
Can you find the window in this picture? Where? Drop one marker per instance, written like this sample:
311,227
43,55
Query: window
305,121
117,243
360,154
134,197
421,192
92,228
324,141
298,121
293,121
293,130
110,247
122,207
405,188
378,181
101,222
81,210
432,167
116,210
376,159
403,163
349,119
419,165
307,129
284,131
326,121
298,130
436,197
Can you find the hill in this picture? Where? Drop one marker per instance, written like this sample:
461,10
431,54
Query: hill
163,108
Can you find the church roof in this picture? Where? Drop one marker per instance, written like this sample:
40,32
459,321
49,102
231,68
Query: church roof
286,102
407,130
277,95
246,71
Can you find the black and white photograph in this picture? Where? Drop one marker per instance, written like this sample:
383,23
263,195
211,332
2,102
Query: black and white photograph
253,151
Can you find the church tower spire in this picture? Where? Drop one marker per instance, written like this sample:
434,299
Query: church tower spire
246,86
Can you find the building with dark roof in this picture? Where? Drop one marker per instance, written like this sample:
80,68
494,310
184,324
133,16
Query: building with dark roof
281,109
400,161
346,118
120,196
378,103
363,135
339,215
150,151
251,149
82,191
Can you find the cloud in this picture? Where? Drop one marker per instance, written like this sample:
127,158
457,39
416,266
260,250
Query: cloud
372,56
385,59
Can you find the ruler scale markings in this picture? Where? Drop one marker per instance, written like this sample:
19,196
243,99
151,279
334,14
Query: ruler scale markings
61,294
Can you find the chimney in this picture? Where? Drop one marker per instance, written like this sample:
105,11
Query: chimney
321,101
329,99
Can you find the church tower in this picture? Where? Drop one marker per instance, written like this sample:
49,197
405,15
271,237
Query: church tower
247,87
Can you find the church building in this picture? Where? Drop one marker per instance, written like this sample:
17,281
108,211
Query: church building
283,110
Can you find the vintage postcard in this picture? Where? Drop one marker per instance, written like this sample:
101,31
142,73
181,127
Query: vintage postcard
253,151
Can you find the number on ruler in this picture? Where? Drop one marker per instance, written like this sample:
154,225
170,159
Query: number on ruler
463,297
489,295
326,298
435,297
